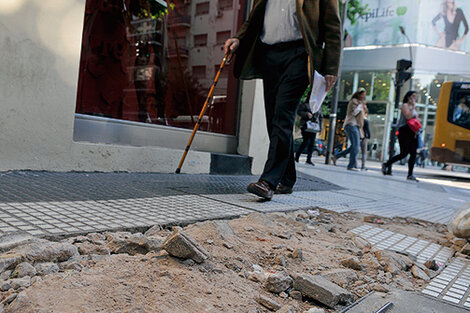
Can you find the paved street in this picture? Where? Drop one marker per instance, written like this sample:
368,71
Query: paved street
49,204
434,198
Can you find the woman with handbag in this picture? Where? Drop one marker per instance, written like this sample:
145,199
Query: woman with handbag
408,126
310,125
353,127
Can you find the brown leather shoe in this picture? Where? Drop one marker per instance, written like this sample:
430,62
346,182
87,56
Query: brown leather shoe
284,190
261,189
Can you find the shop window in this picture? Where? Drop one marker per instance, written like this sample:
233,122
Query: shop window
346,86
225,4
136,64
200,40
222,37
365,81
382,85
199,72
202,8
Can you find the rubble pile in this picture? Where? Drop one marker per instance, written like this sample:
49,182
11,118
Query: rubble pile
302,261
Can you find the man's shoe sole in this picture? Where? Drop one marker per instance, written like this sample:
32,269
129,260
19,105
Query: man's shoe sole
255,191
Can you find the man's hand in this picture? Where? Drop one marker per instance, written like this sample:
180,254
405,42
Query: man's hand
309,115
231,45
330,82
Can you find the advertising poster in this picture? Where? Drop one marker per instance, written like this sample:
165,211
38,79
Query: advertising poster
439,23
444,24
381,24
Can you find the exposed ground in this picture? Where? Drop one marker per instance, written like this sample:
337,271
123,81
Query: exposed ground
296,243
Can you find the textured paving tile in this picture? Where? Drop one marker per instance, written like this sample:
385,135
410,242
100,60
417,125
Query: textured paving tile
34,186
60,218
423,250
452,284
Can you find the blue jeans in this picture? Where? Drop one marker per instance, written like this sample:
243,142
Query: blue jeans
352,133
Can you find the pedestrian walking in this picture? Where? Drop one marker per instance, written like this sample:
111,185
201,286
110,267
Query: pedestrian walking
407,138
284,42
365,141
310,125
353,127
423,155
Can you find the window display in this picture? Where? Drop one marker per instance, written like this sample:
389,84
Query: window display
152,61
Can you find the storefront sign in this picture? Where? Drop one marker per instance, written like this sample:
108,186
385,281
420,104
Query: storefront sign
441,23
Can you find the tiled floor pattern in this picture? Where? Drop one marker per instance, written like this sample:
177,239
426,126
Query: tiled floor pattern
32,186
54,218
388,240
44,203
341,201
452,284
59,217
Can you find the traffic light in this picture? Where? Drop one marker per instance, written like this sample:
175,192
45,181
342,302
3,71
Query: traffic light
403,65
402,74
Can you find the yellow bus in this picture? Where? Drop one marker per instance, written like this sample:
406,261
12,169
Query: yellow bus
451,143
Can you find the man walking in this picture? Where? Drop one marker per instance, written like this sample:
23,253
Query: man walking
284,42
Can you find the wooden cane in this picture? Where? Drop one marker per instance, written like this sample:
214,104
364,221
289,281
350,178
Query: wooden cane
227,58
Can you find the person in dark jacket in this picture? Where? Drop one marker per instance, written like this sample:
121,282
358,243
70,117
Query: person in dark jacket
365,141
284,42
308,135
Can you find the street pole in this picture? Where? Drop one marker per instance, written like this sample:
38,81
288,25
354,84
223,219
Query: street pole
400,78
393,136
334,100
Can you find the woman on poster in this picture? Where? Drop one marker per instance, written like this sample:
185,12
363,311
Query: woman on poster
453,17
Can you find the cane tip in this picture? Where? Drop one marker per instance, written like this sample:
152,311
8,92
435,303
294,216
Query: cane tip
178,170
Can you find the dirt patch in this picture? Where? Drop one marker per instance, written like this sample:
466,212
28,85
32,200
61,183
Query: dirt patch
242,252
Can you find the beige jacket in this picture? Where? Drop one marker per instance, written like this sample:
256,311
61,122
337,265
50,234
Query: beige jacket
355,115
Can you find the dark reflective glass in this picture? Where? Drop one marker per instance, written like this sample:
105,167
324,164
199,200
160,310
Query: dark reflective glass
150,61
459,109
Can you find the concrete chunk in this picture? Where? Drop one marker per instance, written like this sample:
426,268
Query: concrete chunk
10,241
268,303
47,251
419,273
9,260
24,269
181,245
322,290
277,282
460,225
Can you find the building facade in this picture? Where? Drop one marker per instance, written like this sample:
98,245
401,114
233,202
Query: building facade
118,85
400,29
105,85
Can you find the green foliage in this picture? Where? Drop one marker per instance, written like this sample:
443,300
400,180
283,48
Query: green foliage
305,95
355,9
149,9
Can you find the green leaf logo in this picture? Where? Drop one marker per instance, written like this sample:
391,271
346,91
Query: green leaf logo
401,11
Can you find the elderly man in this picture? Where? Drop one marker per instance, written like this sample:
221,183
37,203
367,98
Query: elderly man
284,42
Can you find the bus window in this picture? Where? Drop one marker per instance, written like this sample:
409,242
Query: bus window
459,111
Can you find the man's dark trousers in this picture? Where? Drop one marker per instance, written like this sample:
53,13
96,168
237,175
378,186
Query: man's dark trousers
285,79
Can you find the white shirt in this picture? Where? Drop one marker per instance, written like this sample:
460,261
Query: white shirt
280,22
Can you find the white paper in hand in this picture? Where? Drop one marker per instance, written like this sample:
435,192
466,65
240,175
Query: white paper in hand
318,92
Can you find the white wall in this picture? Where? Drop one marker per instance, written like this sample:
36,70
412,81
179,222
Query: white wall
39,59
253,136
429,59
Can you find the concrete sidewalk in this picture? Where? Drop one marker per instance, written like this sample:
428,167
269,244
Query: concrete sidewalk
51,204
